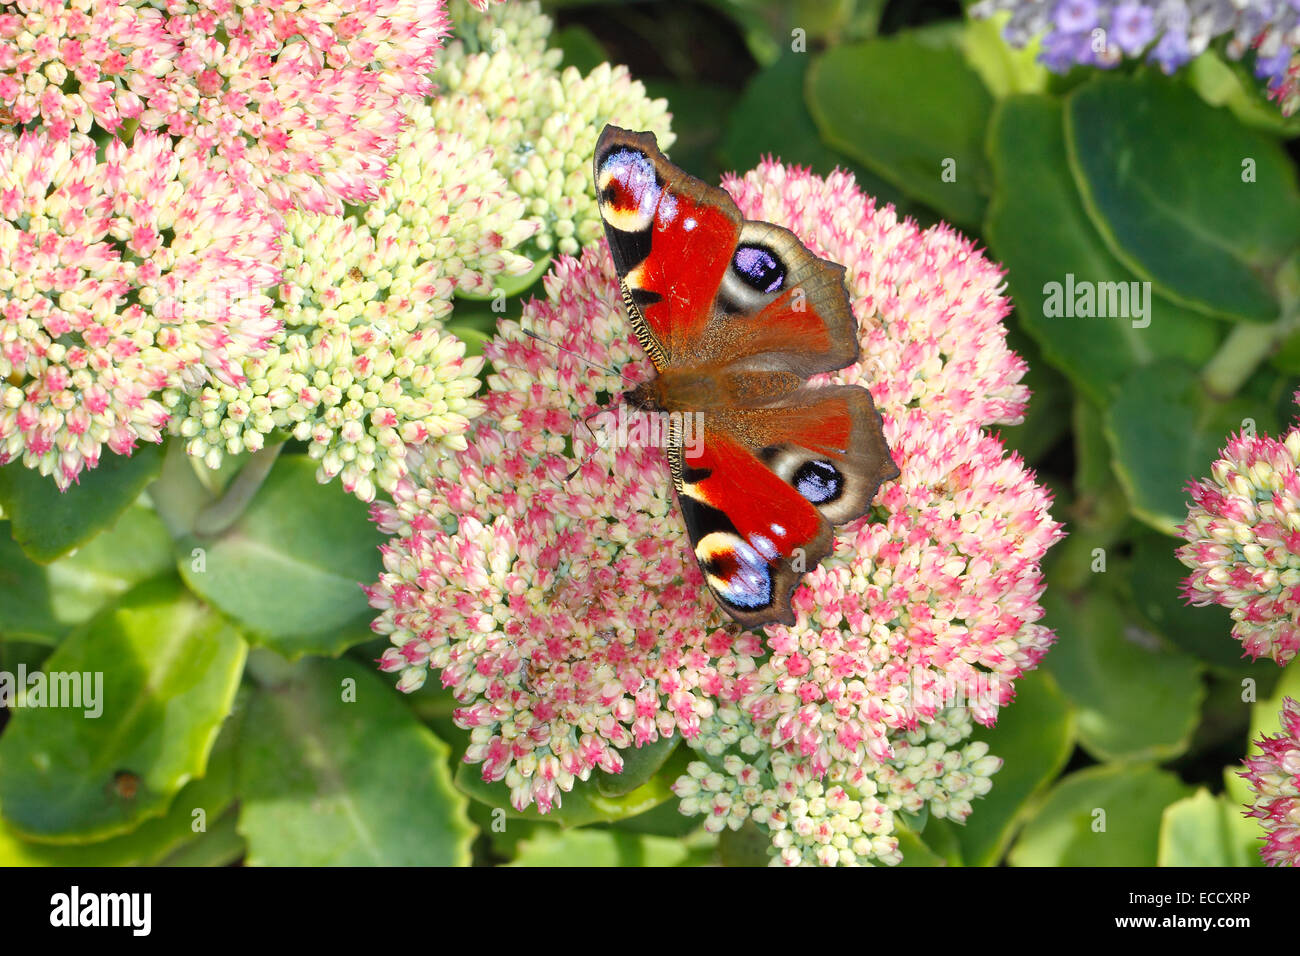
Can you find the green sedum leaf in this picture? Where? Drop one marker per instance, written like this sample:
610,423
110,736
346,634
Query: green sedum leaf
220,846
582,50
195,814
550,847
1183,193
771,118
48,523
1221,83
44,602
1107,815
1003,68
1155,576
1135,699
1164,430
1204,830
170,668
1038,228
906,108
508,285
1034,737
914,849
334,770
290,568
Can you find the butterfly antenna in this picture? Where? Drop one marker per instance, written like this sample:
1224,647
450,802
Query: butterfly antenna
579,355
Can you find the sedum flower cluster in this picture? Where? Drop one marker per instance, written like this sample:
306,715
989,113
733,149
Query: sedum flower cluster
570,620
362,366
1274,776
344,197
119,279
501,84
1243,543
301,101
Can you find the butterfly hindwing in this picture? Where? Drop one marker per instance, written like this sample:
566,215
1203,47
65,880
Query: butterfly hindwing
761,488
826,443
749,530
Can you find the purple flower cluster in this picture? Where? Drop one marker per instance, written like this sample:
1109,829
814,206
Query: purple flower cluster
1172,32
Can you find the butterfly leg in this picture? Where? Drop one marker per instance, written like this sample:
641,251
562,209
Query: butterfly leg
599,444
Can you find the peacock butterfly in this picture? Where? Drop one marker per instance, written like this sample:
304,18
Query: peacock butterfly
735,315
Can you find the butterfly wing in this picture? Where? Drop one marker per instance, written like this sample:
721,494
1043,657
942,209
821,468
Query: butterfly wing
745,306
780,308
703,286
761,488
671,237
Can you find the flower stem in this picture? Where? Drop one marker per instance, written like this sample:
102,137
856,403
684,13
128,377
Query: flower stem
1246,346
1249,343
177,495
225,511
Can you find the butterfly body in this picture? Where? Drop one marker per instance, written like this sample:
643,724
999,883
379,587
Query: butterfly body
736,315
705,389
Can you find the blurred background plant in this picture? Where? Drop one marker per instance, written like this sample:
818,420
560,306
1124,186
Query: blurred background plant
218,589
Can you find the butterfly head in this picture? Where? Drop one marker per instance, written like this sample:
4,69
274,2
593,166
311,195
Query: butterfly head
645,397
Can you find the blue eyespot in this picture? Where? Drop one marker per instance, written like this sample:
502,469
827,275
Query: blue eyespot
818,481
750,585
633,183
759,269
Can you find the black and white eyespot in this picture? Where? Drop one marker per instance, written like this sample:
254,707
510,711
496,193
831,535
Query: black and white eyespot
819,481
759,268
755,277
827,484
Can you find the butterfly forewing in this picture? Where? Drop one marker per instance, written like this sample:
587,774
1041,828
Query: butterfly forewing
671,237
780,307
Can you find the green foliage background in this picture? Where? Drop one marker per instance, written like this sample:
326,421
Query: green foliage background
237,637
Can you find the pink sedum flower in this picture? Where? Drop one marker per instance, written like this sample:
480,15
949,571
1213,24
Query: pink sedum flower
570,619
500,85
1275,778
363,367
1243,534
846,815
303,101
117,281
